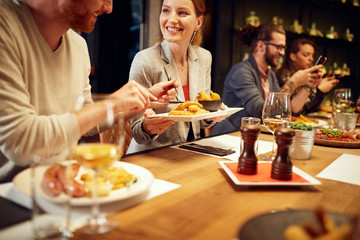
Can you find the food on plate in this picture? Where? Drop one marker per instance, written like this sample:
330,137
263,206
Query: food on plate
188,108
55,180
326,229
304,119
301,126
203,96
110,179
338,135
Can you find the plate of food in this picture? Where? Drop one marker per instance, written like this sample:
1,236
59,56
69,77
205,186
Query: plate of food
320,114
300,224
263,177
130,180
188,114
315,123
338,138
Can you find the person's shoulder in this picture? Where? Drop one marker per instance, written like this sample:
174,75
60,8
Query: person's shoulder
11,11
149,52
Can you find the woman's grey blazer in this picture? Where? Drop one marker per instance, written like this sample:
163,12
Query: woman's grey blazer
156,64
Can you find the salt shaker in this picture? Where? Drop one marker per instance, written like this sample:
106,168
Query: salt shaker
281,168
248,161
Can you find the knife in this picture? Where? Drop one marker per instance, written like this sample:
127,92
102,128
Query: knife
166,102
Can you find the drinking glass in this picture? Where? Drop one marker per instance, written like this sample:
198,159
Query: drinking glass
96,156
250,120
276,113
50,223
341,100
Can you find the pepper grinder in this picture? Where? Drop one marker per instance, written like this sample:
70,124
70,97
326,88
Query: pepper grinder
248,161
281,168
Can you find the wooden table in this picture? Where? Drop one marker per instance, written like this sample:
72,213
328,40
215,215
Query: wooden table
209,206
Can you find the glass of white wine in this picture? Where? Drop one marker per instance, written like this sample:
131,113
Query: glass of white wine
276,113
341,101
96,156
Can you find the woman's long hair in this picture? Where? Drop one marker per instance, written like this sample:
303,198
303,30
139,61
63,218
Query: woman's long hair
200,9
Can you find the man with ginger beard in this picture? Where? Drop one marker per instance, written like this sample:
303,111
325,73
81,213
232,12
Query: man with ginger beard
44,68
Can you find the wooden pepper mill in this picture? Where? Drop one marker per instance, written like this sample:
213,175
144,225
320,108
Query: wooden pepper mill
282,167
248,161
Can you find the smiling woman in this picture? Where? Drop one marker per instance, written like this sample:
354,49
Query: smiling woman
177,55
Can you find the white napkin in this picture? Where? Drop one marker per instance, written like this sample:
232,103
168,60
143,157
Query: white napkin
23,230
229,142
344,169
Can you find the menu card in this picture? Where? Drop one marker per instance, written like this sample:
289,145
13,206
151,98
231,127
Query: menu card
344,169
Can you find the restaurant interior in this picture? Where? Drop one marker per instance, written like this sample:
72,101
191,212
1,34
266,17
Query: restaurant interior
203,190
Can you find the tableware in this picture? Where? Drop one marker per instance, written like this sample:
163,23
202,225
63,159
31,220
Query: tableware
320,114
341,100
97,156
276,113
47,226
250,120
181,118
263,178
144,181
167,102
302,144
207,149
272,225
212,105
335,143
347,121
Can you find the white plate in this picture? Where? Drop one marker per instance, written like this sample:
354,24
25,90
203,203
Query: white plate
181,118
144,181
310,179
326,115
320,124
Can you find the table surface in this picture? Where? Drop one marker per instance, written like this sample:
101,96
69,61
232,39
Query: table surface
208,205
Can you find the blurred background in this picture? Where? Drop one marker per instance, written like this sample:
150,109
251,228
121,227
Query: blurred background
133,26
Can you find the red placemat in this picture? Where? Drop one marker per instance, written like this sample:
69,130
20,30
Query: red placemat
263,175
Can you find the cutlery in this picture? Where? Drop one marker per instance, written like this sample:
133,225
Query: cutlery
207,149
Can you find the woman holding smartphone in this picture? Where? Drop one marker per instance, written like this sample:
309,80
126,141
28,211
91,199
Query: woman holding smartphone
300,55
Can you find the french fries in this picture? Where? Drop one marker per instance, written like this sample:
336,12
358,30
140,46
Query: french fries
109,179
203,96
328,229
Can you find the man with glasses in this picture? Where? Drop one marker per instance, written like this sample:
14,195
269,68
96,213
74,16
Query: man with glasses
248,82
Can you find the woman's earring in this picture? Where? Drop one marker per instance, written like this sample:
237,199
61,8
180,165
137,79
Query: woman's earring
192,38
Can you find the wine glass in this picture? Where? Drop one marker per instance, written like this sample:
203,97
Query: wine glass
341,101
96,156
276,113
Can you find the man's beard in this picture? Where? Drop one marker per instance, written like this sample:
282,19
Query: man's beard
269,58
76,21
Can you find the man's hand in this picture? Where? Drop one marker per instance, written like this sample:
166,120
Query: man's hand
132,97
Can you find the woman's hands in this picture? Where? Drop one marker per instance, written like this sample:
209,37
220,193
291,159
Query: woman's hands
219,119
328,83
155,126
310,76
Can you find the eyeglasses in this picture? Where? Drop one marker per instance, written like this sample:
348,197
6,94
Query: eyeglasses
279,47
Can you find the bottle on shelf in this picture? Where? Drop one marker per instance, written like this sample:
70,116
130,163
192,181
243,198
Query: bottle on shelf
331,34
297,27
337,70
345,70
349,36
315,32
253,19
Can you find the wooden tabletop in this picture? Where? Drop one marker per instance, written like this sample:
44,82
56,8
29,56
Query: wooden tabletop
209,206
